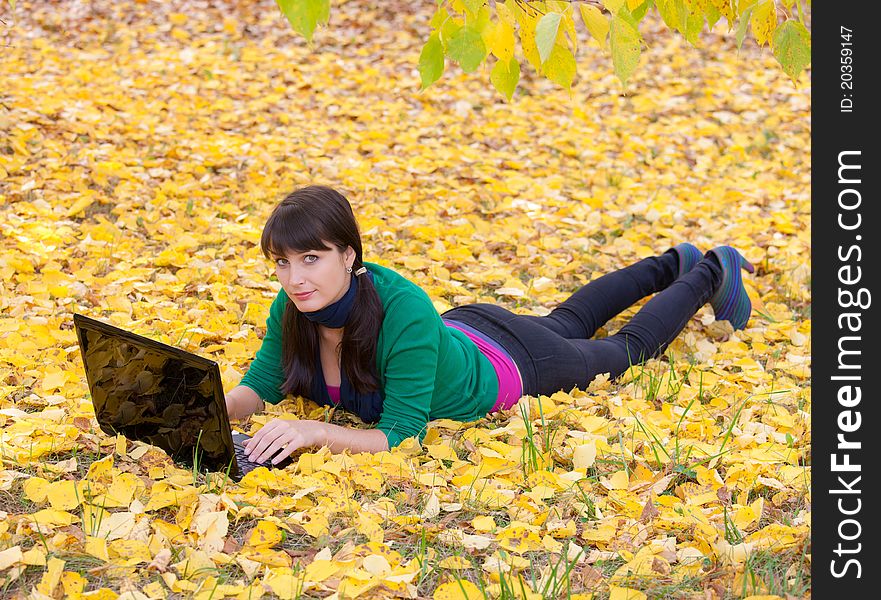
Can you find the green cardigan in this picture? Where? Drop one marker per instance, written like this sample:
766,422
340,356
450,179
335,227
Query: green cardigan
427,370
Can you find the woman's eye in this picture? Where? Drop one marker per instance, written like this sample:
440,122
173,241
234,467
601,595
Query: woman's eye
310,258
281,262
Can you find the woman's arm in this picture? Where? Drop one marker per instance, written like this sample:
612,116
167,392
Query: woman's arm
281,437
242,401
339,438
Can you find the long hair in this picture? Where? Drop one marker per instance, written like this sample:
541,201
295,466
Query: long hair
305,220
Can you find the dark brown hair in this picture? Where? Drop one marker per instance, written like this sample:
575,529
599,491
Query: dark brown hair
305,220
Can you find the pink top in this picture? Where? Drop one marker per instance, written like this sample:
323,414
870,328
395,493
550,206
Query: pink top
510,383
334,391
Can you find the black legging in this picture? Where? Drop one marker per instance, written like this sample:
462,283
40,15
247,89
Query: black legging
555,353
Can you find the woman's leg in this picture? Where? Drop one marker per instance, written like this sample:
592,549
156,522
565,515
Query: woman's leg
656,324
589,308
549,361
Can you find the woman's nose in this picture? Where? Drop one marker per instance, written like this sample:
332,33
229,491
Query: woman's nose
294,277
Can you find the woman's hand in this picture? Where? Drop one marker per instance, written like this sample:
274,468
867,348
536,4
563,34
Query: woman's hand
292,435
281,437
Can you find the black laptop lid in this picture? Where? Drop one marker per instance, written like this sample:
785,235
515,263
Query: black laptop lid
156,393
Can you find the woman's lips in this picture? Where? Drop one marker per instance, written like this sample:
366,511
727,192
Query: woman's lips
304,295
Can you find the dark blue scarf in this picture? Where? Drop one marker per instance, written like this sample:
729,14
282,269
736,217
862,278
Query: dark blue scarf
367,406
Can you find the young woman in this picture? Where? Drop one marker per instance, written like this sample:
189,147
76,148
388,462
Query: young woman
355,334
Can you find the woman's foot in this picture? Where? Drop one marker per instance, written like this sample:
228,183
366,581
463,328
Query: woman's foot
731,302
688,255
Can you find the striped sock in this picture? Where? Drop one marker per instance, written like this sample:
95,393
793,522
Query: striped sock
731,302
688,255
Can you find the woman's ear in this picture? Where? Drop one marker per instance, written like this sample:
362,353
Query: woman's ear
349,256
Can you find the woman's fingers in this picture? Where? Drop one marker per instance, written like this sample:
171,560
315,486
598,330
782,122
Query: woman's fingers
262,440
279,441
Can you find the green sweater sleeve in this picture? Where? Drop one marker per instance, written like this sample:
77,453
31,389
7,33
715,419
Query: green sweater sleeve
408,346
265,375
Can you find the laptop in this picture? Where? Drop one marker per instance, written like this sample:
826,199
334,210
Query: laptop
162,395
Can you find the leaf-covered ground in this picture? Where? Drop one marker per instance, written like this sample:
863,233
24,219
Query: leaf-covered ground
142,145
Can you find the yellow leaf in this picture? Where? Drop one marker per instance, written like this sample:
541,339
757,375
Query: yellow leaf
51,577
528,22
50,516
316,525
367,478
618,481
455,562
128,553
54,381
499,40
10,557
377,565
80,205
73,584
100,594
584,455
461,589
265,534
35,489
763,21
121,444
97,547
483,523
63,495
369,527
36,556
100,469
284,585
622,593
442,451
319,570
161,499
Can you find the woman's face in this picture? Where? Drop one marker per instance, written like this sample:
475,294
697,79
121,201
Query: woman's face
316,278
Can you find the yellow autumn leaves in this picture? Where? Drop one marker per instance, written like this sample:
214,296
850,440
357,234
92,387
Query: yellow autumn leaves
137,165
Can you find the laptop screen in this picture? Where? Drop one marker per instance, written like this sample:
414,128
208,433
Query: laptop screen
155,393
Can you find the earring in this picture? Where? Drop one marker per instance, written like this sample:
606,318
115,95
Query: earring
348,269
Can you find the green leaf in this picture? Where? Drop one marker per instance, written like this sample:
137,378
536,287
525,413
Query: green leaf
431,61
467,48
560,66
613,5
743,26
546,34
624,40
597,25
639,11
693,23
473,6
792,47
448,30
304,15
713,15
670,12
439,17
482,20
505,75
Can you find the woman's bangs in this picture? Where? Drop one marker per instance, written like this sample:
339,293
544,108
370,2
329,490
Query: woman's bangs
291,233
